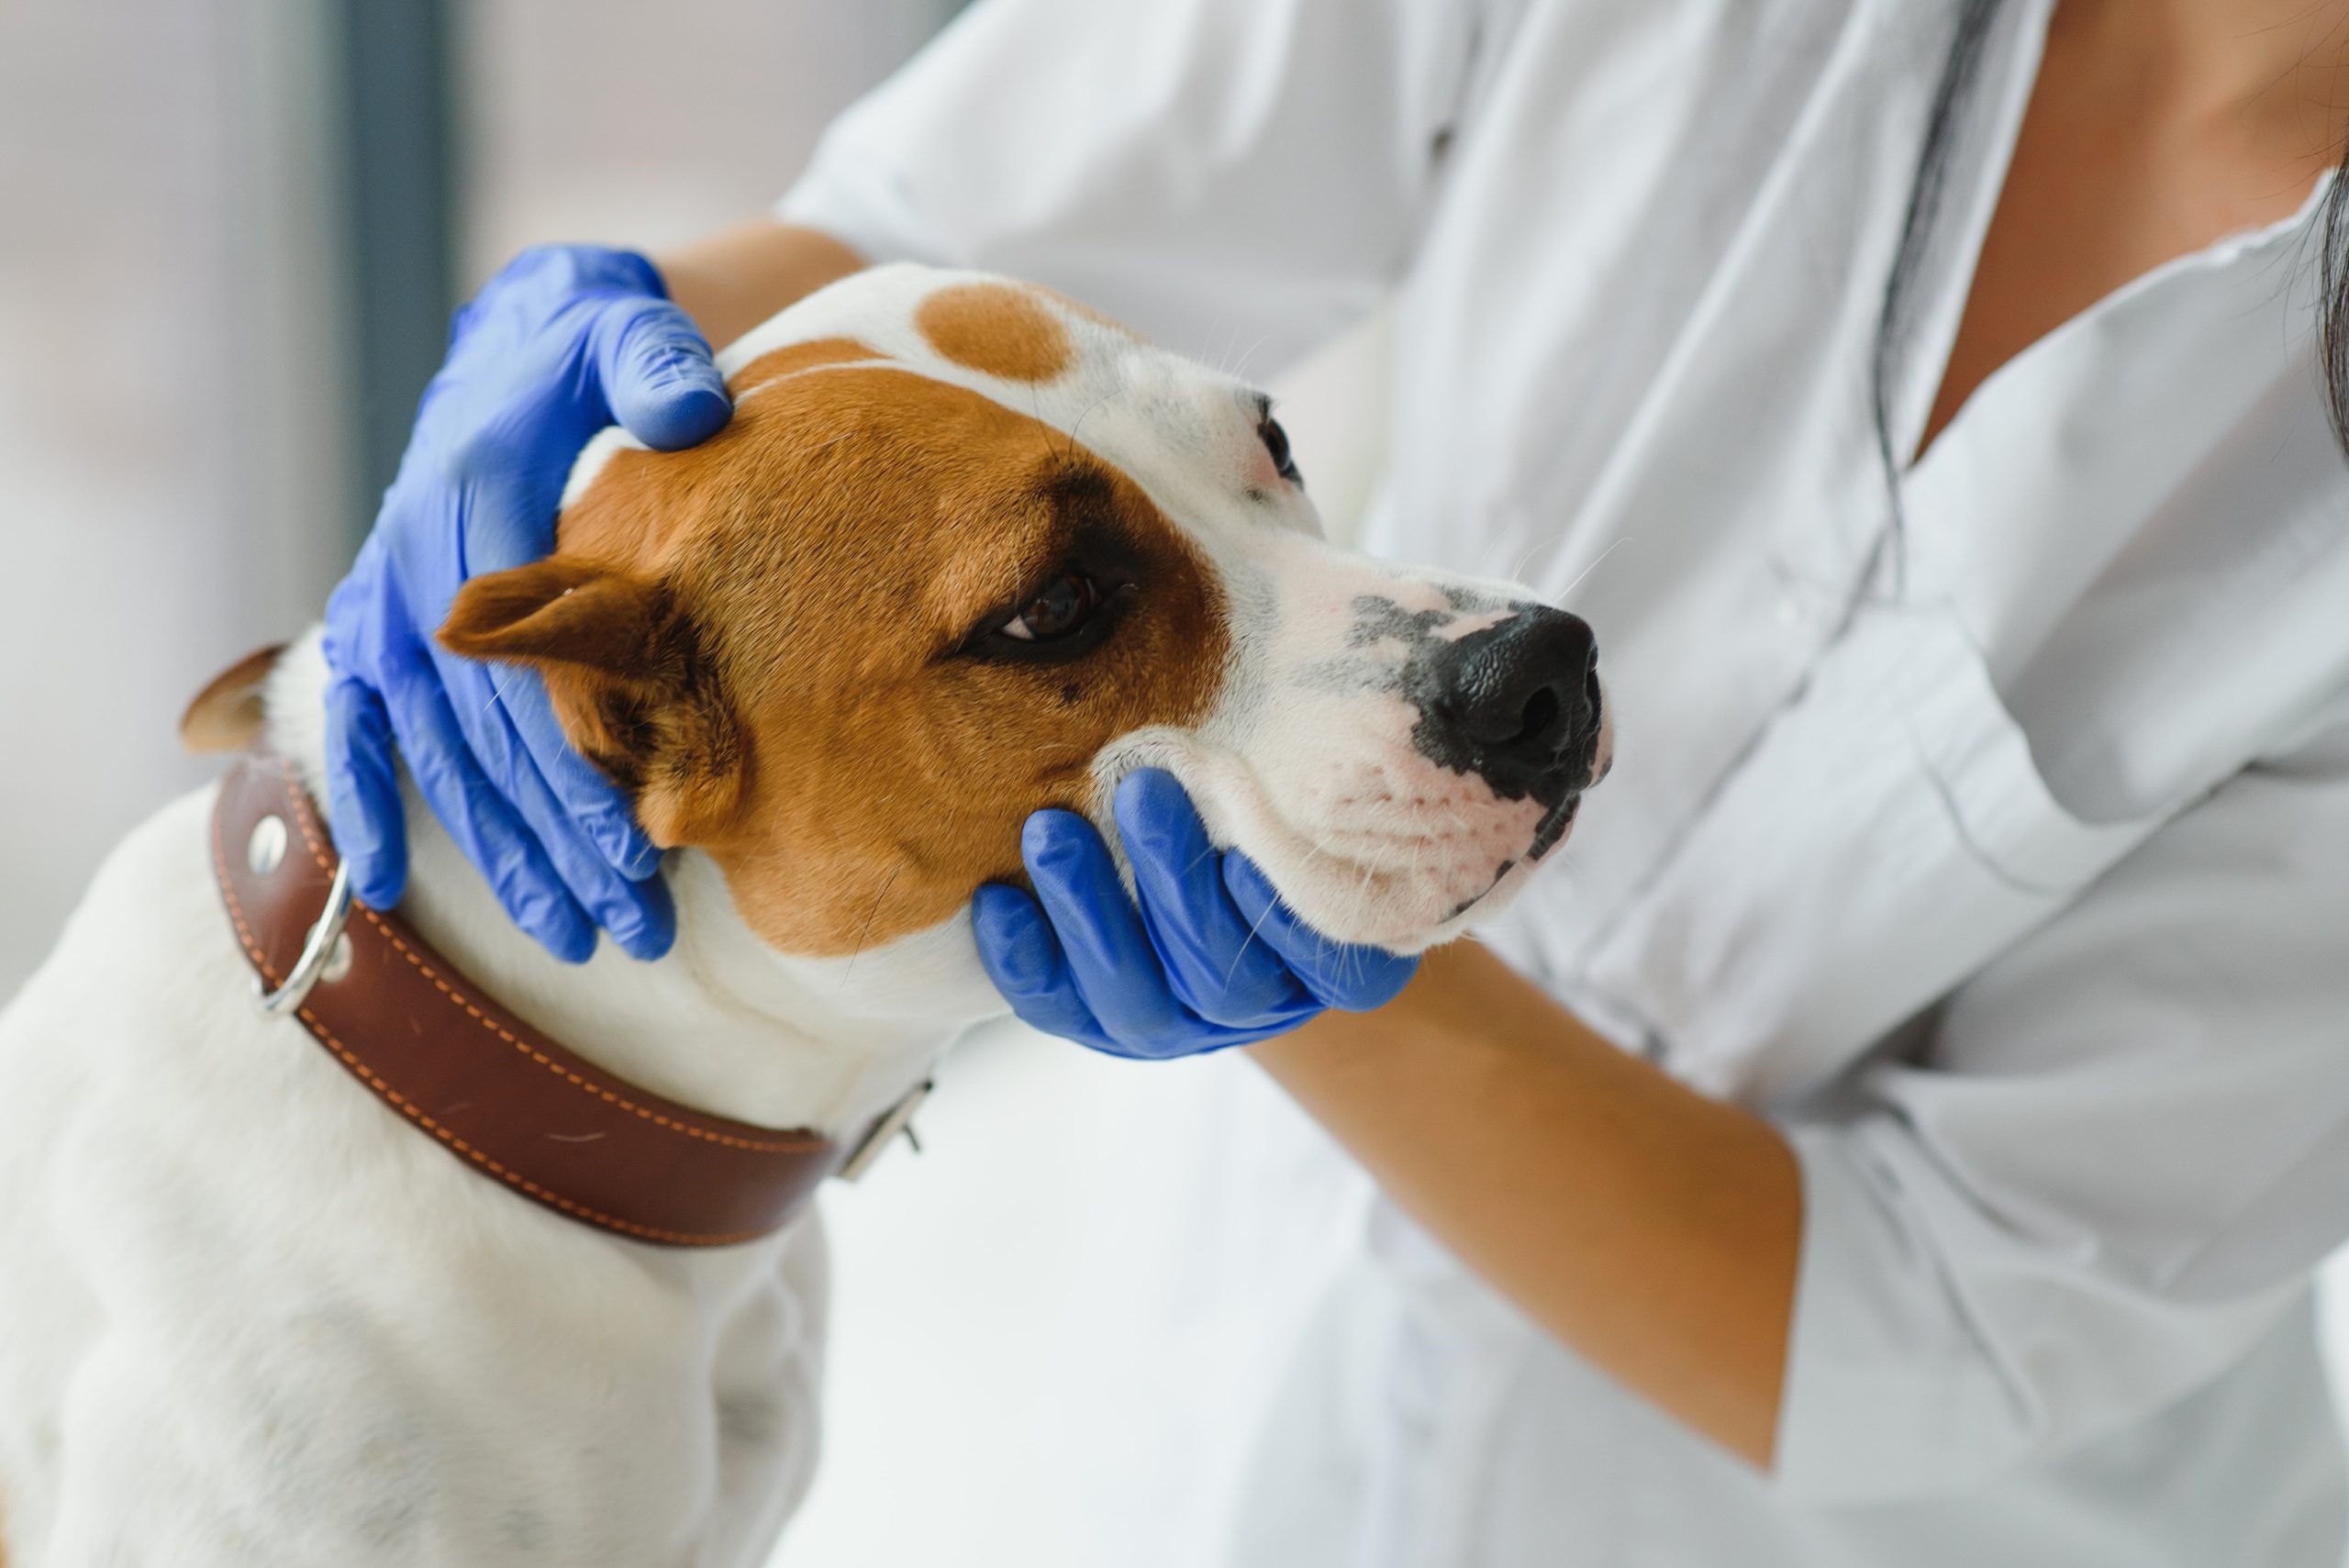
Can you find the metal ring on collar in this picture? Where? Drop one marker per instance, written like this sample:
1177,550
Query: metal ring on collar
322,951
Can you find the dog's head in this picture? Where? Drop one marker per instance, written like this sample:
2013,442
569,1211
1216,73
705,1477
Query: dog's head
967,550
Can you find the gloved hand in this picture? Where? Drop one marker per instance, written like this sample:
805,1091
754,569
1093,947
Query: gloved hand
564,342
1210,957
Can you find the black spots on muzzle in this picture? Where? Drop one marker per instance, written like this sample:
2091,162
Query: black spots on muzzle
1383,637
1514,703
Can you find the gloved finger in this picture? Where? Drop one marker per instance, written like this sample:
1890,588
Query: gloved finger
484,825
637,914
587,796
1020,954
1109,957
364,811
1342,975
1189,915
657,373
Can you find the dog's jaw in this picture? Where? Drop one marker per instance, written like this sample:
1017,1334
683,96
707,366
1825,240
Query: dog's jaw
725,1023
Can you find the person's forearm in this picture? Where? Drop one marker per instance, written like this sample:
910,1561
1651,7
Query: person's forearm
1654,1230
733,280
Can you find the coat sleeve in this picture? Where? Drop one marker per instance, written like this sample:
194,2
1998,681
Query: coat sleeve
2111,1166
1235,178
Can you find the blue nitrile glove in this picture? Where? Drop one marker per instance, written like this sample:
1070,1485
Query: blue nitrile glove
564,342
1208,958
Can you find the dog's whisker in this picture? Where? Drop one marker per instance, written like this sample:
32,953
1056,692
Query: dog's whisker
871,915
1250,353
1076,429
1597,561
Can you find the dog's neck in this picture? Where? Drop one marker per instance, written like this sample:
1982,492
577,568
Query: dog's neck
724,1023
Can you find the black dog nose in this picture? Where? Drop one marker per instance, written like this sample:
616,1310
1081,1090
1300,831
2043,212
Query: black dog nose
1517,702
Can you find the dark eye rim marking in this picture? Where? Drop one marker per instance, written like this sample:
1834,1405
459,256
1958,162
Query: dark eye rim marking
1106,564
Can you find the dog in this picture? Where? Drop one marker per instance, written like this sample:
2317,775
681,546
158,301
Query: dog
967,550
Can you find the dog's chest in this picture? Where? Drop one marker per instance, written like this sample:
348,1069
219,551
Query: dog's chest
245,1315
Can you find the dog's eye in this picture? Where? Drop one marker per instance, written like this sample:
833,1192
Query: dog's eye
1071,611
1276,441
1061,610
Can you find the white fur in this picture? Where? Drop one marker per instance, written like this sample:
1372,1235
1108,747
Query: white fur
249,1317
600,450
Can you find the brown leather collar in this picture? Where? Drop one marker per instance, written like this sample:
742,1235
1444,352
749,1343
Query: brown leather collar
491,1090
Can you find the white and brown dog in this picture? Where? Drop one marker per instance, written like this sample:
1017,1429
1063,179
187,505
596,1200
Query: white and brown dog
964,551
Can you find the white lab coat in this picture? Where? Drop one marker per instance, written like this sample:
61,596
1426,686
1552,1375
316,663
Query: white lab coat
2008,869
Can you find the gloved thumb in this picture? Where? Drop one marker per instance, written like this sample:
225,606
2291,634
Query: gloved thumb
658,375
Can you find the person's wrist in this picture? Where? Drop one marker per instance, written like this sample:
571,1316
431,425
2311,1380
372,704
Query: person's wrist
1463,1003
731,281
1337,1042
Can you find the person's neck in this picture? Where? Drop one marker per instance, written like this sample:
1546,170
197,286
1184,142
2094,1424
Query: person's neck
2267,69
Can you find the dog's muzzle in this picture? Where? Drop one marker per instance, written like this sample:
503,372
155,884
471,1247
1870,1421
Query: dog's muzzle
1516,702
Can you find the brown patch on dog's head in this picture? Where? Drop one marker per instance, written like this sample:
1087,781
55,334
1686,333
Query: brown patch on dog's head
788,643
226,715
997,329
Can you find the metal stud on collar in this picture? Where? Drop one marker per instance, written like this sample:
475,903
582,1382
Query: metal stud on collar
265,851
326,953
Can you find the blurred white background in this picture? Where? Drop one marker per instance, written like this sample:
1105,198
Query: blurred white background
234,227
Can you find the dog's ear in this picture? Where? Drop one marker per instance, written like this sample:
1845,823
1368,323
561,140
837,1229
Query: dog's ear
227,715
623,664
